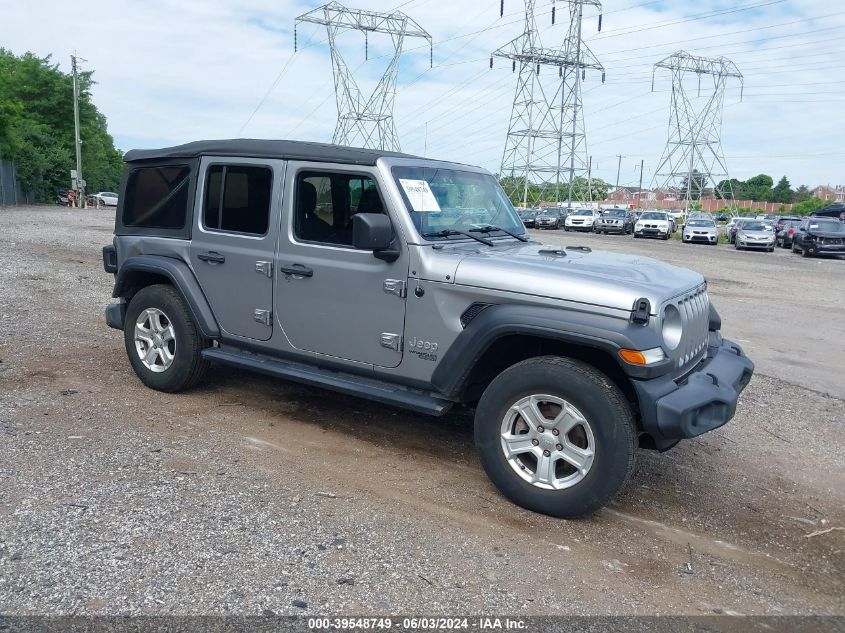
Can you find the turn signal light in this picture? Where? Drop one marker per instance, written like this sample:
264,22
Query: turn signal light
642,358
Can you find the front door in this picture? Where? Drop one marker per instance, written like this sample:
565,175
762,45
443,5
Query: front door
330,298
234,241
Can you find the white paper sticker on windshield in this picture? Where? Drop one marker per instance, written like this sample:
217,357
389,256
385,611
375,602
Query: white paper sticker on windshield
420,195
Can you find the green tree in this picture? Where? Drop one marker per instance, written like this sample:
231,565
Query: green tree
801,194
782,192
758,188
693,185
36,127
808,206
727,187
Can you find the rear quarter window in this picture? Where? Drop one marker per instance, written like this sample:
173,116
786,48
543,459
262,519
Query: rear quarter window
157,197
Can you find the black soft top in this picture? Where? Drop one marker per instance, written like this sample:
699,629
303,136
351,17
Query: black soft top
261,148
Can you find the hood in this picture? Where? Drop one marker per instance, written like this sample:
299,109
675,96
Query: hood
650,221
757,233
596,277
706,229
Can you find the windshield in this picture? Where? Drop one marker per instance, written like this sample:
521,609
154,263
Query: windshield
440,199
709,223
653,215
755,226
827,226
615,214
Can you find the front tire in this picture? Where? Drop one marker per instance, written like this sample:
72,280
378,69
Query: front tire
162,341
556,436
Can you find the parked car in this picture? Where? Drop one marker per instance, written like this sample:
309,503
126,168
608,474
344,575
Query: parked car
615,221
700,230
581,220
731,229
754,234
783,237
105,199
781,221
654,224
819,236
529,218
722,217
550,218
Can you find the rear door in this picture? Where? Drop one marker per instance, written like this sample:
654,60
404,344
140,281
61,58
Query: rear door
234,240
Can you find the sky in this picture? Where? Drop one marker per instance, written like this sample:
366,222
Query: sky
172,71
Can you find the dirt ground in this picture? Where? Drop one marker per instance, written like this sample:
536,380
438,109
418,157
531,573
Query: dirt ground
250,495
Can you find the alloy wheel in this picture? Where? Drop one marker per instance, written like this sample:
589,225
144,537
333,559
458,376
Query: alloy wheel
155,340
548,442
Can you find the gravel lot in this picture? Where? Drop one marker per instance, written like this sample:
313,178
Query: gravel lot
251,494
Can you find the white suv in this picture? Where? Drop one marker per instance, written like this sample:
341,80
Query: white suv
654,224
581,220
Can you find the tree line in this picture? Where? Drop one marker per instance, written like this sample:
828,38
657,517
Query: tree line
582,190
36,127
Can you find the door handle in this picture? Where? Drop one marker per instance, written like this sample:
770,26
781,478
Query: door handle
297,269
211,257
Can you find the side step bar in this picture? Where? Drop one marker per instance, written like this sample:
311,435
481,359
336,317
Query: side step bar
342,382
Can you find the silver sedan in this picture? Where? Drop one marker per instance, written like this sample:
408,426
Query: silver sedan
754,234
700,231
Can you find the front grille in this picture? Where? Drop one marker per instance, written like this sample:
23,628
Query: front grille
694,307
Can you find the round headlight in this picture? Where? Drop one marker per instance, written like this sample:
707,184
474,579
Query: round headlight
673,328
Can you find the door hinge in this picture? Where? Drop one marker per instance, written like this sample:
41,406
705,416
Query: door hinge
395,287
391,341
264,267
263,316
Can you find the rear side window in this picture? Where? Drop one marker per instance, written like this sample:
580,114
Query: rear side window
237,199
157,197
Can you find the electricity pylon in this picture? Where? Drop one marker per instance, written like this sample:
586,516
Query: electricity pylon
693,156
546,144
365,121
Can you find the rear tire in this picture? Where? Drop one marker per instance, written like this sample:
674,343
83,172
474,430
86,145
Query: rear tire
595,427
162,341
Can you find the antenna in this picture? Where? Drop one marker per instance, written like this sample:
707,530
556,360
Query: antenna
546,145
693,156
365,121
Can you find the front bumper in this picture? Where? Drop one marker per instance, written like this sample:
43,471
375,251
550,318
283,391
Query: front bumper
651,232
827,249
612,228
763,245
701,238
673,409
116,315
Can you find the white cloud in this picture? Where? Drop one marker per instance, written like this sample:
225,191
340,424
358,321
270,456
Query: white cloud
170,71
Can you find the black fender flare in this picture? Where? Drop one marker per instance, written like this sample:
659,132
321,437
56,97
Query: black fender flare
605,333
182,278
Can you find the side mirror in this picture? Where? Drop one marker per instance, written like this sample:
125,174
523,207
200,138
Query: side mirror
373,232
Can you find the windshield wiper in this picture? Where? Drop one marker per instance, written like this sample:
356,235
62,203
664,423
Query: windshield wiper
490,228
448,232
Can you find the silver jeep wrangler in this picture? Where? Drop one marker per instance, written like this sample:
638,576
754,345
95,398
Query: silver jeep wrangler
412,282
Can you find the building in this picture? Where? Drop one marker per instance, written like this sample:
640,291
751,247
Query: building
828,193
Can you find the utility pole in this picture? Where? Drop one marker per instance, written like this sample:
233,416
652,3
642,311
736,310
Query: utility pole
590,180
640,188
80,188
618,169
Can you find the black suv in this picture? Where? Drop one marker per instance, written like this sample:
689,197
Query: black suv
819,236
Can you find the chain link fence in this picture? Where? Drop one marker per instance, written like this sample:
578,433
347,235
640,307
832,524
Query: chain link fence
10,187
